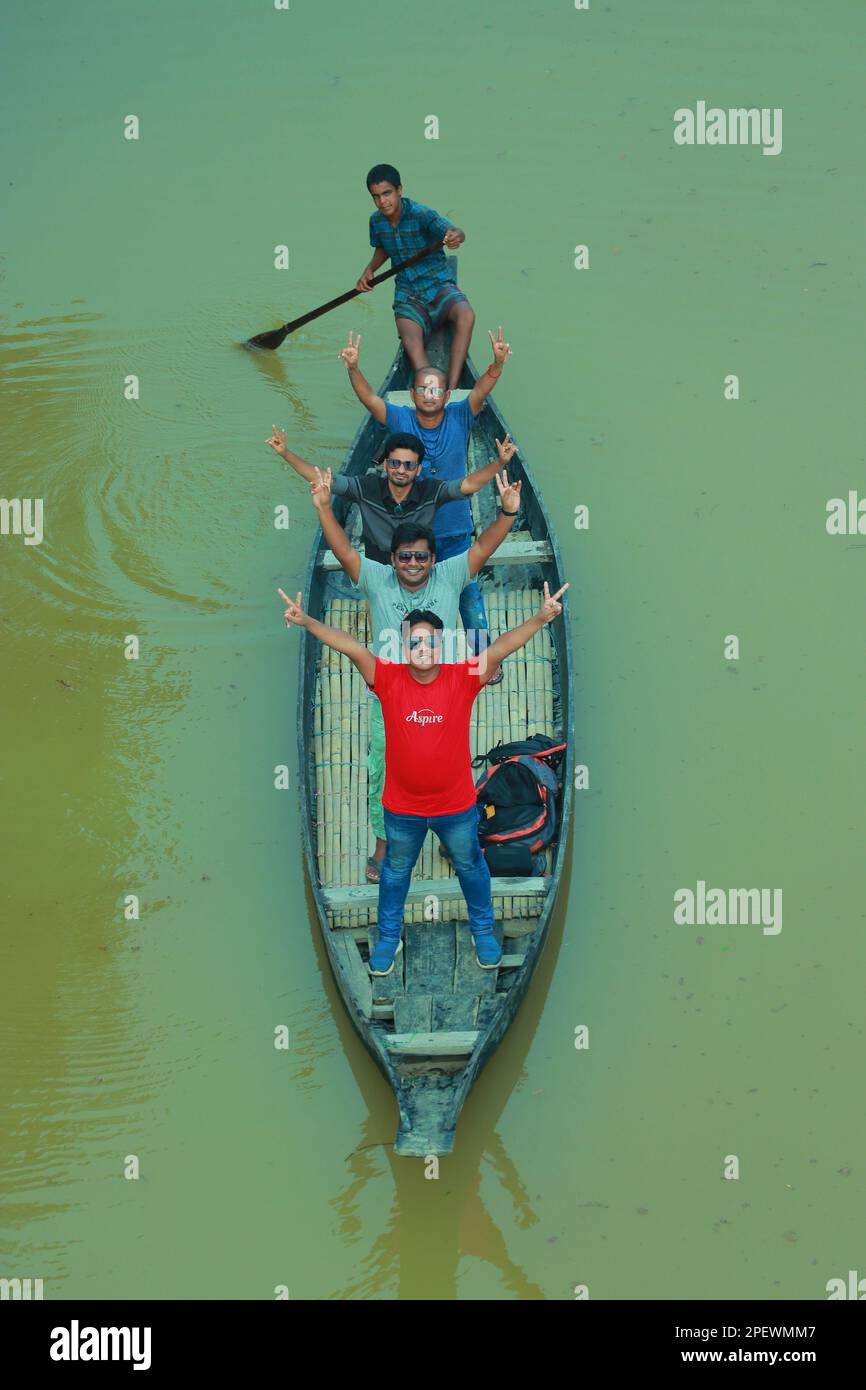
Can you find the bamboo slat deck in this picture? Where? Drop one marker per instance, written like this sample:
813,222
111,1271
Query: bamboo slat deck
521,704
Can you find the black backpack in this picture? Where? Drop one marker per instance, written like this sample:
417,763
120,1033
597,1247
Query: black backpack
517,799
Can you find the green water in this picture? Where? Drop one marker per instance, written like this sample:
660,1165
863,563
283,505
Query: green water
154,776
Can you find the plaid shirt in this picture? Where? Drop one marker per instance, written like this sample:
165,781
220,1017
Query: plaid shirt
418,226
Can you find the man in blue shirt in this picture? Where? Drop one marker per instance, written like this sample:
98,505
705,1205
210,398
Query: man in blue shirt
425,295
444,430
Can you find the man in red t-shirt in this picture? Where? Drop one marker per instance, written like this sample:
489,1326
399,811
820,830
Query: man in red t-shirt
428,770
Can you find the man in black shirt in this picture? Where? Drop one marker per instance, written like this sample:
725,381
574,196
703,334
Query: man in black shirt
398,494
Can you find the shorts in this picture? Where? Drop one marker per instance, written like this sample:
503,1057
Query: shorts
432,314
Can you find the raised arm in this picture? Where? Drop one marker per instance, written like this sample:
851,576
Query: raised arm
474,481
496,532
512,641
277,442
363,390
485,384
320,493
334,637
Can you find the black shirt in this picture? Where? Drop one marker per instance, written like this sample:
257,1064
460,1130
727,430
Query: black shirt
381,514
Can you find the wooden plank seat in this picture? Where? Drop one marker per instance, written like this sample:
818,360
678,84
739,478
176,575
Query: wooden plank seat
405,397
514,551
356,894
432,1044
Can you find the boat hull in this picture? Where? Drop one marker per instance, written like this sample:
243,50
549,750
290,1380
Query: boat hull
431,1086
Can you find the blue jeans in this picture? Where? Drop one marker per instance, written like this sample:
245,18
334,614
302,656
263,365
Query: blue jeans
471,603
459,834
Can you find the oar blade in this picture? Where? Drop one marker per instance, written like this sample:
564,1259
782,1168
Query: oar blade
271,340
277,336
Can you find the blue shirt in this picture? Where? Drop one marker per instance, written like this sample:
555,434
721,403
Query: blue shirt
445,450
418,226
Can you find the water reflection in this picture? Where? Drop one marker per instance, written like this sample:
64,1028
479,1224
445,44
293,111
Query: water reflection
433,1224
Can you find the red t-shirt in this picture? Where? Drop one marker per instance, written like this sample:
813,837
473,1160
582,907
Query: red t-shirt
428,767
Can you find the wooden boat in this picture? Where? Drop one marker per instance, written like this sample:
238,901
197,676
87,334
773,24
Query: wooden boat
433,1023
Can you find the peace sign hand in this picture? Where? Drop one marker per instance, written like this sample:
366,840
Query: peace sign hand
277,441
349,354
506,450
320,490
550,609
294,611
501,350
509,494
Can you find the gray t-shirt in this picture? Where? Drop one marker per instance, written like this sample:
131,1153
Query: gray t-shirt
381,515
390,602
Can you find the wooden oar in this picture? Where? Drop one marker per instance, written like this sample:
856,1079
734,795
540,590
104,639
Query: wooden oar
276,336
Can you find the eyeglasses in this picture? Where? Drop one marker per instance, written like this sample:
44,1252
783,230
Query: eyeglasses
419,555
401,463
429,390
415,642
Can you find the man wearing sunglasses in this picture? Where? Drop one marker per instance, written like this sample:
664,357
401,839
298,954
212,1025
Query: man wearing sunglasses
399,493
428,784
443,427
414,578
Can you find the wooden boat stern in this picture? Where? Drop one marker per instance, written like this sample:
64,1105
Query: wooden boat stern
428,1115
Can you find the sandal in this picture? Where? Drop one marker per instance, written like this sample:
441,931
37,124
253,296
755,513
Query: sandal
374,869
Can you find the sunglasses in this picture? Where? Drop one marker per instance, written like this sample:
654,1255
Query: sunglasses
419,555
401,463
415,642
